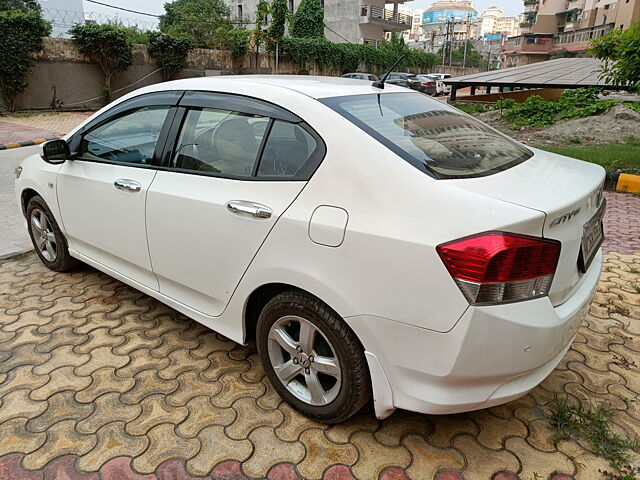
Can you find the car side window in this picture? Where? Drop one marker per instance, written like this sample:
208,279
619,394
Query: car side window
288,149
130,138
220,142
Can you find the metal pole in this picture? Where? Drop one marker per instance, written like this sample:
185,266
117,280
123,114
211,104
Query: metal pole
451,40
277,55
466,43
444,45
489,61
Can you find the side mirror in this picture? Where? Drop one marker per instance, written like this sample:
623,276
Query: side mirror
55,151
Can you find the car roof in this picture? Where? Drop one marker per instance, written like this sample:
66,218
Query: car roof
311,86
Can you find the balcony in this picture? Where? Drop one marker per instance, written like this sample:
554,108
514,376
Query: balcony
386,18
583,36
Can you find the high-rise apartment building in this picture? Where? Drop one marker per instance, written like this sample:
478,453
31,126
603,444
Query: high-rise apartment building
551,26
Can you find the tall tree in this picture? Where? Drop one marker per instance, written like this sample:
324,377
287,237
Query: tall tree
107,45
21,37
197,20
308,21
25,6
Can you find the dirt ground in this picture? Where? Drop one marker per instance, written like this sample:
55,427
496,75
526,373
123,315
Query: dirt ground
617,125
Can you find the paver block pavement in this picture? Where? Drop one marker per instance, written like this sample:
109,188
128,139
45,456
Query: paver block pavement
141,392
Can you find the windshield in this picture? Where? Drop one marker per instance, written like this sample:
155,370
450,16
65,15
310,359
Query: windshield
436,138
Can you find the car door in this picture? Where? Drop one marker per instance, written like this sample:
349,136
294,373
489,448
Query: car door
102,191
232,166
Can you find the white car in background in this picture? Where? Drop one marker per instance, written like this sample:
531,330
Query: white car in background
442,88
373,241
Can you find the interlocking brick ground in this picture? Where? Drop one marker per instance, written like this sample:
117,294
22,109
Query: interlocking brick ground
99,381
37,126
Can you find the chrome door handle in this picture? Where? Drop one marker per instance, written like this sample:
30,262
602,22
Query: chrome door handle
127,185
249,208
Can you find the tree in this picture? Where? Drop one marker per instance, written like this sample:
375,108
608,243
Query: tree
473,58
262,10
620,52
21,37
278,19
107,45
25,6
308,21
197,20
171,52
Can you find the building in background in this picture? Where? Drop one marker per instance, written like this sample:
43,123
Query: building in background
448,22
566,27
492,21
345,20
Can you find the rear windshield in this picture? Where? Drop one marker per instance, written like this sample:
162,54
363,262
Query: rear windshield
436,138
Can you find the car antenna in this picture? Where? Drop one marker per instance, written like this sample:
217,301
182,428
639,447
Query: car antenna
380,83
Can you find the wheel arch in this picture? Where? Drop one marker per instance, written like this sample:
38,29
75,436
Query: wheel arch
260,296
26,195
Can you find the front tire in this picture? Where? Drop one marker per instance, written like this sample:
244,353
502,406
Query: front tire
312,358
47,238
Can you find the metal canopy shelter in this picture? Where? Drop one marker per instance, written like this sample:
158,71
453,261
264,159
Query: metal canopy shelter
559,73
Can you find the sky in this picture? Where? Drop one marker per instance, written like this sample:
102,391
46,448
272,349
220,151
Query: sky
510,7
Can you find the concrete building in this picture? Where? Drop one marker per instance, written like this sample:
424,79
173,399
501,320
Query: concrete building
567,27
345,20
488,20
448,21
492,21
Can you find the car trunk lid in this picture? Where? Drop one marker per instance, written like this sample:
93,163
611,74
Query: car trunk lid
568,192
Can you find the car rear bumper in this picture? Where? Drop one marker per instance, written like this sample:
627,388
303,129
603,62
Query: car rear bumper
493,354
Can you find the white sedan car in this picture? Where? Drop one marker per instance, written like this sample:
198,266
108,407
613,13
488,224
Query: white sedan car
373,242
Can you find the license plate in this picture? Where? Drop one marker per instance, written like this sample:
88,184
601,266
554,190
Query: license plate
592,238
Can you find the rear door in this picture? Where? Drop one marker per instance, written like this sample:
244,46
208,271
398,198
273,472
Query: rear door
233,165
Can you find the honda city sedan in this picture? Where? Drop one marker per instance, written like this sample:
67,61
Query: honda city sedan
373,242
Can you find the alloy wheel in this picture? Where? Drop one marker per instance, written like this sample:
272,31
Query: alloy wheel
43,235
304,360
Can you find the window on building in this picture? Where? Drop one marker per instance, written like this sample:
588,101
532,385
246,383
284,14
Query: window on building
604,19
291,5
606,7
240,12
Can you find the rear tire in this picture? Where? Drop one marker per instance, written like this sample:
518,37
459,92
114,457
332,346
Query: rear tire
47,238
312,358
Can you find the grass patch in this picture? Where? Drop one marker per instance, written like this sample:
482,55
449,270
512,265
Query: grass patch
573,421
613,156
634,270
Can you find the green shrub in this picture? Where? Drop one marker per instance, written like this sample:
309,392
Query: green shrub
308,21
346,57
21,37
171,52
619,50
198,20
278,19
108,46
538,112
635,106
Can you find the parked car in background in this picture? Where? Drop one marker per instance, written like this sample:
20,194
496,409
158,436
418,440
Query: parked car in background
361,76
409,80
442,267
442,88
429,85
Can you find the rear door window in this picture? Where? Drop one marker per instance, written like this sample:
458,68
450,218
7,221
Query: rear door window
288,149
436,138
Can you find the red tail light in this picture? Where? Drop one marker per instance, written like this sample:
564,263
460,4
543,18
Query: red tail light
428,84
500,267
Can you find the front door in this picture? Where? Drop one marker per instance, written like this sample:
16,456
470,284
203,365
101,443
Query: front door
102,193
230,175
